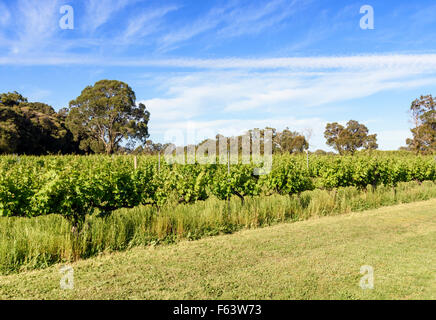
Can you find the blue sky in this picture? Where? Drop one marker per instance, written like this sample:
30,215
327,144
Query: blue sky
203,67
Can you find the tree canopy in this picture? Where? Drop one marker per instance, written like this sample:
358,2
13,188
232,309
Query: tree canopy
290,142
105,114
32,128
151,148
285,141
351,138
424,118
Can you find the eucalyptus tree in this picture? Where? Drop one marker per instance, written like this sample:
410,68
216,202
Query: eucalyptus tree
106,114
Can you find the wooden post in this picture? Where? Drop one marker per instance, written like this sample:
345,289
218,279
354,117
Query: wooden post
307,153
228,163
228,174
159,163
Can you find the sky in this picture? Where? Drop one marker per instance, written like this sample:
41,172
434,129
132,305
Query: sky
205,67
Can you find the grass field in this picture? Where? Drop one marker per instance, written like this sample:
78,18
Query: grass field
315,259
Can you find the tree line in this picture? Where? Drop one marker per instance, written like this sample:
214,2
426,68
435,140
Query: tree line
105,118
97,121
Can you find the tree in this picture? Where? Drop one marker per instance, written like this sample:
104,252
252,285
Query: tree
335,137
351,138
105,114
11,99
151,148
423,112
291,142
285,141
320,152
32,127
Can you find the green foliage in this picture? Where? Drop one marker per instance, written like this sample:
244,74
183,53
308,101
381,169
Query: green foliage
32,128
285,141
424,117
11,99
45,240
105,114
290,142
289,175
75,186
351,138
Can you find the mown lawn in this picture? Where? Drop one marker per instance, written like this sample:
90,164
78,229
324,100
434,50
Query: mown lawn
314,259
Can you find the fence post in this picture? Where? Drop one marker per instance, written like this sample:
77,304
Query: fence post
228,179
228,163
307,154
135,162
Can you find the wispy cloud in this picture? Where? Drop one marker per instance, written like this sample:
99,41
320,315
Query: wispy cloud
413,62
241,99
201,25
35,24
232,20
254,19
146,23
29,26
99,12
233,93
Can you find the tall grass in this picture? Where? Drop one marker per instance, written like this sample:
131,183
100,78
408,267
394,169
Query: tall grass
39,242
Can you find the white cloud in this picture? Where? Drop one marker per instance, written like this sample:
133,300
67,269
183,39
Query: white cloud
33,26
37,24
392,139
246,98
413,63
232,20
100,11
208,22
146,23
250,20
309,91
227,93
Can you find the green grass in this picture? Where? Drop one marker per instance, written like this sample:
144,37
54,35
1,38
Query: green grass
315,259
36,243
